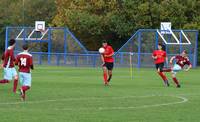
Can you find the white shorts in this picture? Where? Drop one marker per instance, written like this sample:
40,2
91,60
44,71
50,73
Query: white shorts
176,68
9,73
25,79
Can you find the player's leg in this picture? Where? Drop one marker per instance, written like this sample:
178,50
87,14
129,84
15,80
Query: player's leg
167,69
25,80
175,80
7,76
175,69
23,90
15,83
110,68
162,75
4,81
21,79
109,75
105,74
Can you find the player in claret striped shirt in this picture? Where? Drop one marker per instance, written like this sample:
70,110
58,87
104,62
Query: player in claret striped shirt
24,61
8,60
180,61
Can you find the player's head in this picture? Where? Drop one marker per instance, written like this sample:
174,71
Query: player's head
25,47
104,43
184,53
12,42
163,47
160,46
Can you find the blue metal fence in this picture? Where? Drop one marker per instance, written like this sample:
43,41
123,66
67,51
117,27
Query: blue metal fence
60,47
144,41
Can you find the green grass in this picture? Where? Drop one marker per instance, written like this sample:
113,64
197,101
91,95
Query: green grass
63,94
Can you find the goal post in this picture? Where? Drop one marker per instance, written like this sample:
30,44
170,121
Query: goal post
39,28
165,29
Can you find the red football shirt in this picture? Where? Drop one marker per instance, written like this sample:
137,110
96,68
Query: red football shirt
8,58
108,51
24,61
182,61
161,55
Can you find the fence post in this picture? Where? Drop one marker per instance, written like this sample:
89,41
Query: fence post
49,45
156,44
6,40
121,58
139,49
39,58
180,46
196,49
76,60
65,45
57,59
94,60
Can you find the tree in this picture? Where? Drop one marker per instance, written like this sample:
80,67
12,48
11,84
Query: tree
94,20
24,13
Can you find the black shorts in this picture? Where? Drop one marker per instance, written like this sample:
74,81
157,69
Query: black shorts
160,66
109,65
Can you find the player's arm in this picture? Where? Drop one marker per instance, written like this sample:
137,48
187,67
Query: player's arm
171,60
2,59
102,58
154,56
31,63
189,65
17,61
1,63
111,53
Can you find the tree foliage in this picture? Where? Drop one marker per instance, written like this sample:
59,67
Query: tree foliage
95,20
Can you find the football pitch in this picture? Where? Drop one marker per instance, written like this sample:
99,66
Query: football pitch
63,94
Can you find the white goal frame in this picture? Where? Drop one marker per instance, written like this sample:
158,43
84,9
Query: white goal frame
165,28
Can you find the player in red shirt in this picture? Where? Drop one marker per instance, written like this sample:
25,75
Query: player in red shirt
160,57
181,61
8,60
108,62
25,63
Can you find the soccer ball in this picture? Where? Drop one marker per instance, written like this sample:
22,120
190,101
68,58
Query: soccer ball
101,50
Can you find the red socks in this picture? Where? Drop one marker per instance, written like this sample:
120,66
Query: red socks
162,76
15,85
176,81
4,81
105,77
24,89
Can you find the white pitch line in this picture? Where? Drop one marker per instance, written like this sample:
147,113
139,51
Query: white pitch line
74,99
183,100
